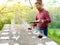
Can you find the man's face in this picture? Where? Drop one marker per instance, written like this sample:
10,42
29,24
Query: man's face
38,6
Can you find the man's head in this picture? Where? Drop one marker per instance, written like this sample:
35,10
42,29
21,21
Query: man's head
38,5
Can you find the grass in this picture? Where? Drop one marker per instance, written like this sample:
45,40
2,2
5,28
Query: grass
55,39
54,35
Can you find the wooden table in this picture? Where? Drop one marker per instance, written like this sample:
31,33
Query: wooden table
18,34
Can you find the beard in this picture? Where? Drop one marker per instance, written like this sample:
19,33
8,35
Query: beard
39,8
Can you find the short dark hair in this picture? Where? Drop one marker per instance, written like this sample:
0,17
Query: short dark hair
38,2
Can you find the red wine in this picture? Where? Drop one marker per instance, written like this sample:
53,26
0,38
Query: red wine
29,28
40,36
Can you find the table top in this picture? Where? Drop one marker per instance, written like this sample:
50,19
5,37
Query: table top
18,34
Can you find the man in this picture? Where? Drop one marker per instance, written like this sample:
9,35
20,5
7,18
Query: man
43,18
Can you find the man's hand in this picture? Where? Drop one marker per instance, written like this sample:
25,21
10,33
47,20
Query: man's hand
40,21
33,25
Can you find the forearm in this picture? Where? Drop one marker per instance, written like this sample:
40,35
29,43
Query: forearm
47,21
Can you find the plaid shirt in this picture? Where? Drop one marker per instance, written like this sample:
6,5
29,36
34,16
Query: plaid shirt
43,15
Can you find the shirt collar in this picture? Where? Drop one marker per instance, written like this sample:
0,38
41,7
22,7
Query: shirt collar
41,10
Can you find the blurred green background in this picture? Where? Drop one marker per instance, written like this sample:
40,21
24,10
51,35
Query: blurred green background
20,10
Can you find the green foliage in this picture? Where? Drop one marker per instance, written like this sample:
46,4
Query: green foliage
54,34
55,17
18,11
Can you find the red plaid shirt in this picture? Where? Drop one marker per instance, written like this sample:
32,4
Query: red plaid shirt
43,15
